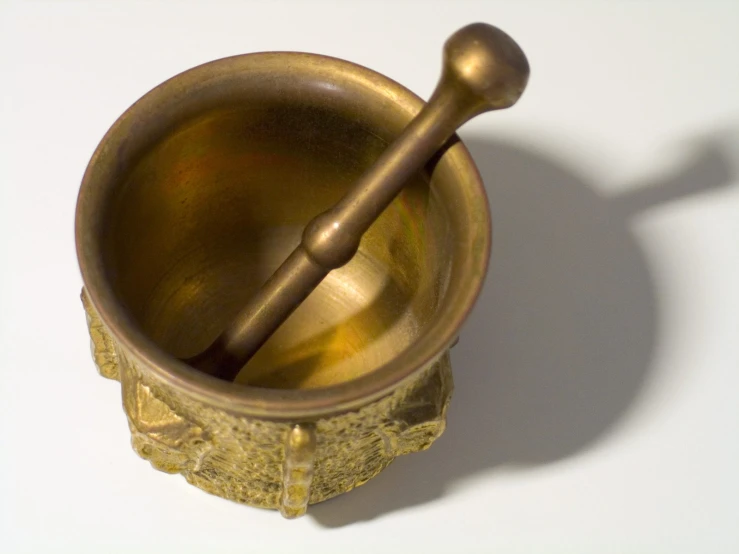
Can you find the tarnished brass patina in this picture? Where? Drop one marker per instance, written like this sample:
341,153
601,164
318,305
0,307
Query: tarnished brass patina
195,197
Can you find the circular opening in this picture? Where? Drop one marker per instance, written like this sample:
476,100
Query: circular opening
203,187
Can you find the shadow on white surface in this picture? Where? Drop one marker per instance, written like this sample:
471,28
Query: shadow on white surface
560,342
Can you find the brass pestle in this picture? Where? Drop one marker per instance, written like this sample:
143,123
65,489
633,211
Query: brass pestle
483,70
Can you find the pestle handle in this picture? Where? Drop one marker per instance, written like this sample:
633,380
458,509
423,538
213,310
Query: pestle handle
483,70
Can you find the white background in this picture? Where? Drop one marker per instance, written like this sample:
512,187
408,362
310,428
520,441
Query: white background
597,399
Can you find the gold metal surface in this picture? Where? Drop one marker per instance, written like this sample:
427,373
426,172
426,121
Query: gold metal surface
300,452
483,70
254,460
195,196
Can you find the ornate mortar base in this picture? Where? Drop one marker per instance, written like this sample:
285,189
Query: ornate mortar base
265,463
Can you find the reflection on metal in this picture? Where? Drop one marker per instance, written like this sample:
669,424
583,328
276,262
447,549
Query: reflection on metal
202,189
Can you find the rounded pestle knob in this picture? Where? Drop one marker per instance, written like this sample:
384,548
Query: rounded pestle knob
487,65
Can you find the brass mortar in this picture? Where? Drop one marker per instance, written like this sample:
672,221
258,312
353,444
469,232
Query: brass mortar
195,196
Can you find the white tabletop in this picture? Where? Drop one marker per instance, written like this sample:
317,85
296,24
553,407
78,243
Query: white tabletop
597,381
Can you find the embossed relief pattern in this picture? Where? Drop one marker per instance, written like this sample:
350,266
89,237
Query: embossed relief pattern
356,446
242,459
102,346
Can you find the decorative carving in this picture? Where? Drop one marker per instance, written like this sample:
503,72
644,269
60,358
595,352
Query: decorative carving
266,463
101,345
300,454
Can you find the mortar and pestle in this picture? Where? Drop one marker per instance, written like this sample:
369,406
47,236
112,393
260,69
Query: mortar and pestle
278,251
